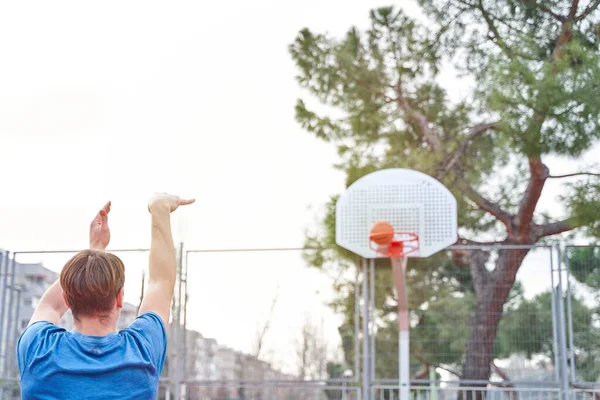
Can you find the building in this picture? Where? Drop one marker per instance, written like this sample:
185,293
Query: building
233,375
214,371
205,357
33,279
30,283
199,357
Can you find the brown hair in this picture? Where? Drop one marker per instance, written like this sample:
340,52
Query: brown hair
91,281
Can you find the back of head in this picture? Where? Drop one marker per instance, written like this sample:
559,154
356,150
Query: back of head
91,281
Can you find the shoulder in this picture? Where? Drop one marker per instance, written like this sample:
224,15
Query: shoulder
148,331
148,322
38,331
38,335
148,326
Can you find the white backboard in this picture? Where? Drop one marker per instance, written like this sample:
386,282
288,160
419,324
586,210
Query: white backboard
409,200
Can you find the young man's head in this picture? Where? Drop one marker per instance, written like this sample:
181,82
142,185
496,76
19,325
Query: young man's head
92,283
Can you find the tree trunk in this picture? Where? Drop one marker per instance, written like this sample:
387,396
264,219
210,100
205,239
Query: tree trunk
492,289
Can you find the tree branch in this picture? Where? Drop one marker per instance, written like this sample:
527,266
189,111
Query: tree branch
417,117
462,240
589,9
554,228
260,338
538,175
574,174
574,6
549,11
486,205
564,37
502,374
422,360
473,133
364,84
506,383
497,39
493,18
423,373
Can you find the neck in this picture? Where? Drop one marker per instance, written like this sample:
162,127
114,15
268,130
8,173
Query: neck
97,325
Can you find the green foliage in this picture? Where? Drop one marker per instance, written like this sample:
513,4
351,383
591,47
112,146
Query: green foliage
440,333
527,329
334,371
545,97
545,92
583,203
584,265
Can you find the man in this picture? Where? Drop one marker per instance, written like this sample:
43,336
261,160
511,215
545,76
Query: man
93,361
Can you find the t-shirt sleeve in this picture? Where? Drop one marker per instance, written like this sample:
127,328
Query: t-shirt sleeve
29,342
150,327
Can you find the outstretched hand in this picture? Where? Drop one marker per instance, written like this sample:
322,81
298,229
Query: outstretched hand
99,231
167,201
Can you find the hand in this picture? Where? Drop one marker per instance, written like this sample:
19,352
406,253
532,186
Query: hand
167,201
99,231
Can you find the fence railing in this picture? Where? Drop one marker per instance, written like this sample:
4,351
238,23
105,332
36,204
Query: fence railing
584,394
270,391
388,392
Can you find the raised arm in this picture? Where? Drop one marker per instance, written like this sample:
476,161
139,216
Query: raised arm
52,305
163,270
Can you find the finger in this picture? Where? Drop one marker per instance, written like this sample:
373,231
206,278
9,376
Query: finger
106,207
103,217
185,202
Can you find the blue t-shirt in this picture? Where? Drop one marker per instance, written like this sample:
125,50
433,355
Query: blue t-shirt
59,364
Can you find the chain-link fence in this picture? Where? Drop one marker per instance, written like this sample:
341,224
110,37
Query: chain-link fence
263,315
243,318
246,321
270,391
467,304
389,392
583,312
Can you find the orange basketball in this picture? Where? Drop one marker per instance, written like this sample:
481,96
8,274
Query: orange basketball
382,233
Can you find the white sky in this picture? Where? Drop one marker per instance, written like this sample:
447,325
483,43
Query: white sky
115,100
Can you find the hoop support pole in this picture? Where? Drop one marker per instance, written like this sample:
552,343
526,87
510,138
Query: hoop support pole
399,273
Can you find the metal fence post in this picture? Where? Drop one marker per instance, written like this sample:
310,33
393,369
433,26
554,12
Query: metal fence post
11,360
570,319
366,375
563,367
555,299
10,307
185,332
178,334
3,278
372,319
357,323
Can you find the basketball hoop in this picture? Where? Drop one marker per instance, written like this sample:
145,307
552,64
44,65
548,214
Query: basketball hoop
402,244
393,208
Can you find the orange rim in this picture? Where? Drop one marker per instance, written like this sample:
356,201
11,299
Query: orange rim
398,247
